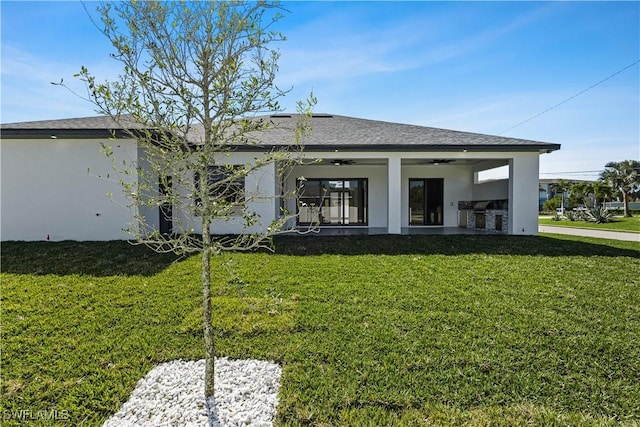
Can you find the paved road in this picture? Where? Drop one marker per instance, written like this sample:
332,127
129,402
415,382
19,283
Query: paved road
590,232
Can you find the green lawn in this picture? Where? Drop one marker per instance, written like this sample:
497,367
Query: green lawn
370,331
618,224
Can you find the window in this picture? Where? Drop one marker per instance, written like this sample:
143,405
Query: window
223,186
333,202
426,200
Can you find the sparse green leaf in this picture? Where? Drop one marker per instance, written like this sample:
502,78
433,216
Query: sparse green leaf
178,73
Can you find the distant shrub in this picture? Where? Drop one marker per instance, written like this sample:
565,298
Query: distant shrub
572,215
599,215
556,217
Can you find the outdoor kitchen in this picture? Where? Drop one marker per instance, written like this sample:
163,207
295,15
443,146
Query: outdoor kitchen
489,215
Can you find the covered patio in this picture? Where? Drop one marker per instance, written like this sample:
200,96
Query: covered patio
347,192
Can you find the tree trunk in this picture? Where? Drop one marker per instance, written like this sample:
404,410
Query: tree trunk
625,203
209,344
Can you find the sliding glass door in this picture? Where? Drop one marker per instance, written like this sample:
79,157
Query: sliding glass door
426,200
333,202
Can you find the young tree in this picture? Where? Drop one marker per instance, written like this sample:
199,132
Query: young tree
624,177
195,78
552,204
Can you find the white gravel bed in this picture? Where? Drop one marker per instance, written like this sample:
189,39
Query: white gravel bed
172,394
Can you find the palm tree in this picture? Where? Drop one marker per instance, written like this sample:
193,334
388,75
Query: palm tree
579,193
624,177
601,190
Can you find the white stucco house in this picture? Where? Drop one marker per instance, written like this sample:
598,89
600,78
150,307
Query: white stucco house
374,177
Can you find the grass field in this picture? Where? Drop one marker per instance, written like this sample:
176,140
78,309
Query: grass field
618,224
370,331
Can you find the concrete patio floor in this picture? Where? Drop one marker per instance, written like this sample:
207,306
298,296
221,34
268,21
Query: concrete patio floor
448,231
364,231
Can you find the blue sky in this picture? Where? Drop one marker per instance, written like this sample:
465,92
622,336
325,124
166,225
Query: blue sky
474,66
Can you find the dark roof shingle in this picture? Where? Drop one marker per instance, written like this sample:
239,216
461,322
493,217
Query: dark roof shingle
329,132
339,131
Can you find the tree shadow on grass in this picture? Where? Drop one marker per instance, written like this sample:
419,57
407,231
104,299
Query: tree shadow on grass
121,258
98,259
453,245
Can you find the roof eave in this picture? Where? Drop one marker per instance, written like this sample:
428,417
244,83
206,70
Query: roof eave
542,148
119,133
63,133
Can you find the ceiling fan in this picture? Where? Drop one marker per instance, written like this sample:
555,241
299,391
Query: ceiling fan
437,162
339,162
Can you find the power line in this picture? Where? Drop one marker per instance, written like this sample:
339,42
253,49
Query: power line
571,97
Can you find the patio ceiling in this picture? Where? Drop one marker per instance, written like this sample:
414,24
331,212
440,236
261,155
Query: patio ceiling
427,161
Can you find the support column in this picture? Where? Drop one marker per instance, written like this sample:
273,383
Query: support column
263,186
523,194
394,189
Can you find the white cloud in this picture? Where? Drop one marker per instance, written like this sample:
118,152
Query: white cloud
465,46
27,92
342,57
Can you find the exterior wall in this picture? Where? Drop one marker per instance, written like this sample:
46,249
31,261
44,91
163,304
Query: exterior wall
47,191
523,194
261,190
394,183
491,190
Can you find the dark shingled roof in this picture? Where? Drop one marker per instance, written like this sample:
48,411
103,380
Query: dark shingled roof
329,132
98,122
82,127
